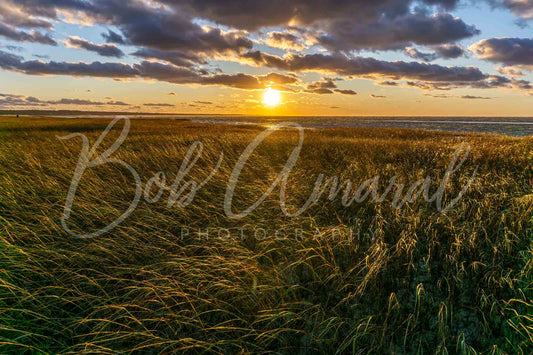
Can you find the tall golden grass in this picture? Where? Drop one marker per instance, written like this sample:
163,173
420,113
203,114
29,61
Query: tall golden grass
412,280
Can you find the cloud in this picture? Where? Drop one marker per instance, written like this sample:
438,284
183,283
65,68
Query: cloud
14,34
449,50
144,70
16,17
363,66
327,86
396,33
144,24
378,96
416,54
83,102
464,97
445,51
181,59
284,40
105,50
280,79
158,105
21,100
470,97
522,8
95,69
346,91
439,96
492,82
321,87
113,37
253,15
248,82
239,81
509,51
511,71
176,45
388,83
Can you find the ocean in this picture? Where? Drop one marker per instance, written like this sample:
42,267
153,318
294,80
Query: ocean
512,126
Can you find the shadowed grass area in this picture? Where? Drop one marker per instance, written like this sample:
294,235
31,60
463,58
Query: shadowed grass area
409,280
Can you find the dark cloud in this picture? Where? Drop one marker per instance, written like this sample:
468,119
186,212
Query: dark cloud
252,15
105,50
511,71
158,105
14,17
388,83
83,102
280,79
471,97
464,97
522,8
166,72
21,100
182,59
117,103
14,34
363,66
113,37
248,82
166,29
346,91
449,50
284,40
144,70
239,81
416,54
439,96
145,25
321,87
49,8
327,86
95,69
445,51
396,33
509,51
492,82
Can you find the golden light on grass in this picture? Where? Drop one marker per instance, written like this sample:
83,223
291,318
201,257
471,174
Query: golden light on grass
271,97
297,275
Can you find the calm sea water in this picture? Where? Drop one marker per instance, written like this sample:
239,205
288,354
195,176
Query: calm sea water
513,126
518,126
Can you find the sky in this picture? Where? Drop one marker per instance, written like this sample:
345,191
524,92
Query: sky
276,57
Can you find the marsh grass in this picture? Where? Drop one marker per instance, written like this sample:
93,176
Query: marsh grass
413,281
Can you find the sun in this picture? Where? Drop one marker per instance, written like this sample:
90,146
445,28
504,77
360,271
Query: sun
271,97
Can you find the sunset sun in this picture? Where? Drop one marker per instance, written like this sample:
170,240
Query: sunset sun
271,97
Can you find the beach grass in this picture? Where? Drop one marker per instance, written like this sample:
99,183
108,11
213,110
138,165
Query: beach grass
367,278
